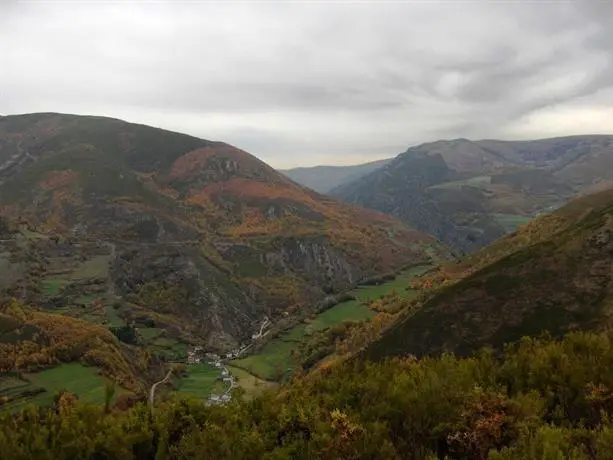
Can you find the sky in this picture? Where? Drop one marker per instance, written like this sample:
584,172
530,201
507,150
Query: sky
311,82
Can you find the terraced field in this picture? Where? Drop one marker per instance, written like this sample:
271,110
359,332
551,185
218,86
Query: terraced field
53,286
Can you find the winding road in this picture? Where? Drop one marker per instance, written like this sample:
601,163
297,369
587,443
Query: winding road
232,385
154,386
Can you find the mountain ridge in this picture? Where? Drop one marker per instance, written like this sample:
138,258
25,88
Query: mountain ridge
488,184
206,236
553,274
323,178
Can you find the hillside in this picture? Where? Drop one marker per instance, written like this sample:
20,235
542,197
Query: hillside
541,399
201,239
41,353
553,274
469,193
322,179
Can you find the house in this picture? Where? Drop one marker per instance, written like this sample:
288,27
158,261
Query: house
217,364
224,373
228,379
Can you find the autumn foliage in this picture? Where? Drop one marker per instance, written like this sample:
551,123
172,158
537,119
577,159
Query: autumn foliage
32,340
541,399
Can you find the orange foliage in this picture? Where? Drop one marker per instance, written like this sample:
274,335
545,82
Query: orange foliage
58,179
63,339
190,163
248,188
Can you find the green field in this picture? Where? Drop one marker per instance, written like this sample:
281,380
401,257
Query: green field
81,380
86,299
398,285
52,286
201,381
252,385
96,267
16,393
149,333
510,222
112,316
170,348
274,360
477,181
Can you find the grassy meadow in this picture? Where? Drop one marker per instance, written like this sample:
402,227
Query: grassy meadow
40,388
201,381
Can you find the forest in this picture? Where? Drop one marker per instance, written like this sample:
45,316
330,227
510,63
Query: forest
540,398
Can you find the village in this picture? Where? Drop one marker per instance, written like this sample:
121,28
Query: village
197,355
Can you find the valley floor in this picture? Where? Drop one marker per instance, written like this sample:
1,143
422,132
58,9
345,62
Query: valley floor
274,361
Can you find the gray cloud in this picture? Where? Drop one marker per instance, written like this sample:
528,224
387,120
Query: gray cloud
304,83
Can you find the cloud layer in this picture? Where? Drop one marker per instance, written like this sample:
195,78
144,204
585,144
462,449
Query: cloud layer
305,83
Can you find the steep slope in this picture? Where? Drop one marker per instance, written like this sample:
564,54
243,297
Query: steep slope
469,193
322,179
197,236
552,275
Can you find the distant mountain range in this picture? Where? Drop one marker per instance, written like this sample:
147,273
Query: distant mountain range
469,193
195,236
323,179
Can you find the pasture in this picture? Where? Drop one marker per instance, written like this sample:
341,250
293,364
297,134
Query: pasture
40,388
201,381
252,385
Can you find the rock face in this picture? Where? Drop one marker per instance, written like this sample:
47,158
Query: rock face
468,193
195,235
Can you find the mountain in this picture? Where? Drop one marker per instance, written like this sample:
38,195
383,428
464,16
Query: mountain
469,193
554,274
195,237
322,179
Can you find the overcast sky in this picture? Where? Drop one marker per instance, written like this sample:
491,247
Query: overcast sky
316,82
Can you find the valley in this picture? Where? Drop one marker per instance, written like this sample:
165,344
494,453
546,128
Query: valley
209,282
274,360
147,253
306,230
470,193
